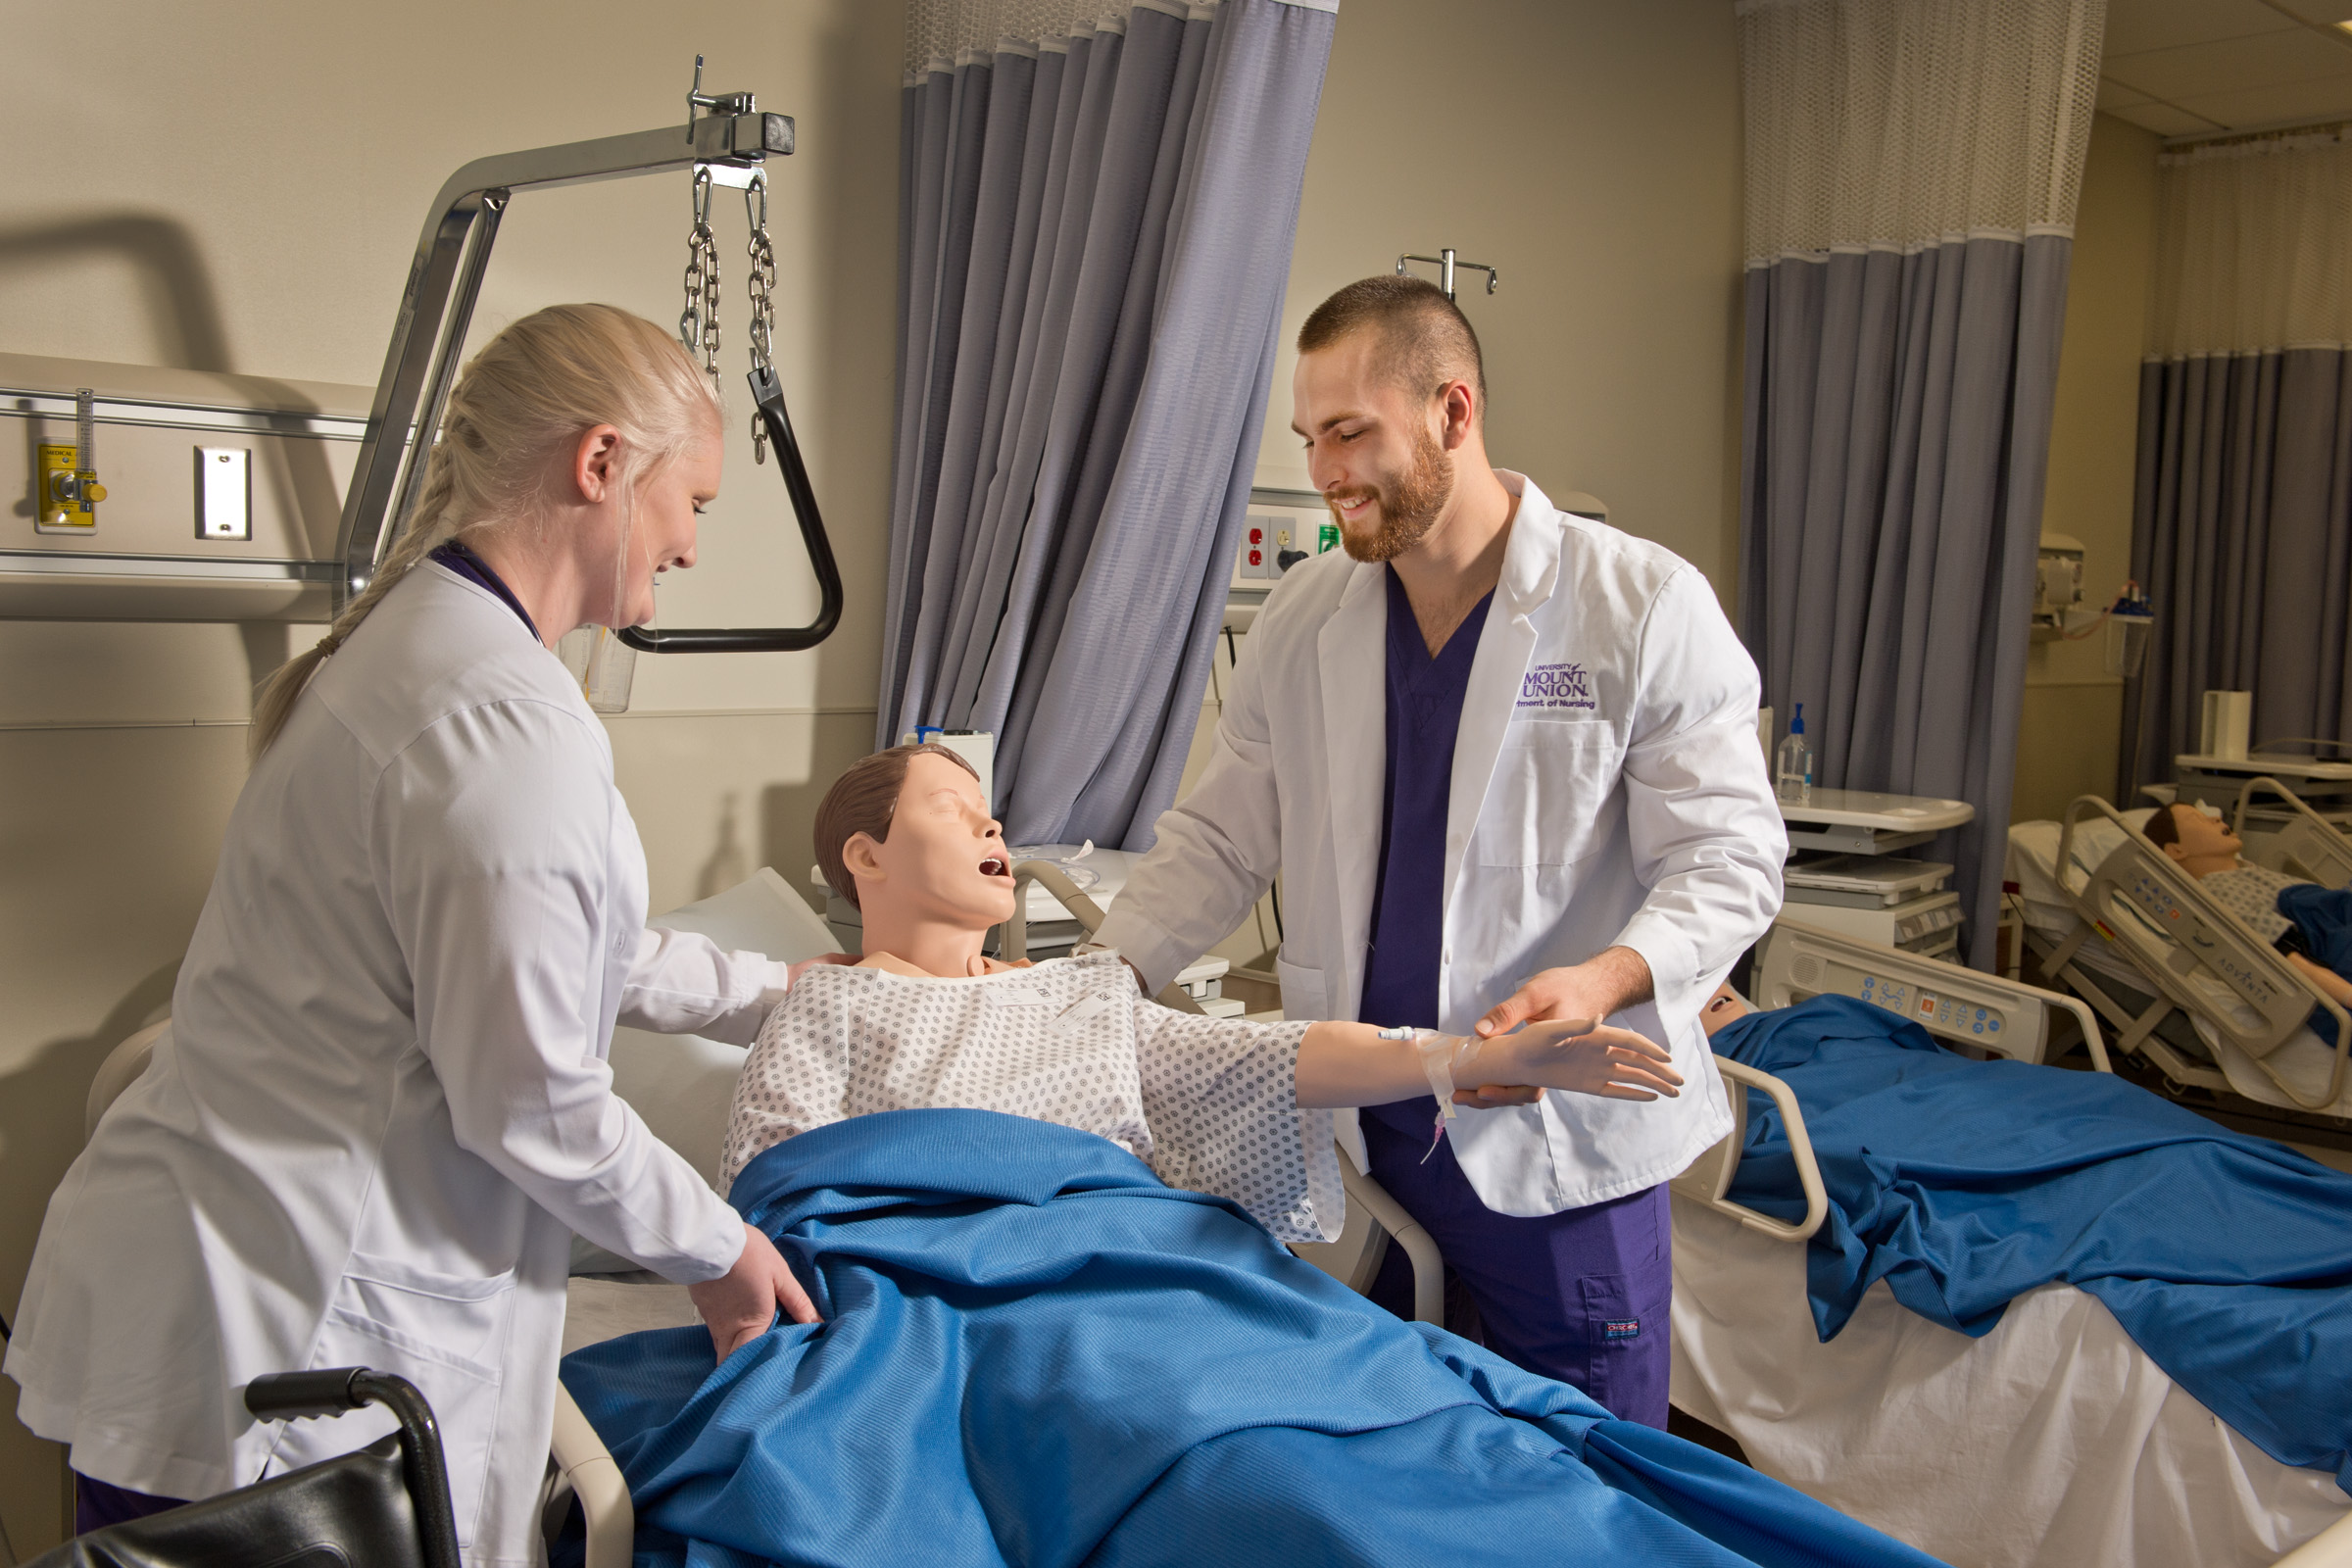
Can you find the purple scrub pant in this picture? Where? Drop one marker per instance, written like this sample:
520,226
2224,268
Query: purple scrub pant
97,1504
1580,1296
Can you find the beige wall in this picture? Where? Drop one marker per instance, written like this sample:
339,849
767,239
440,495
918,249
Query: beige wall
2074,709
260,218
1591,150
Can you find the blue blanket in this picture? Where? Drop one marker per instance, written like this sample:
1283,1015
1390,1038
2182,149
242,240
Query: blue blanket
1034,1352
2325,917
1963,1184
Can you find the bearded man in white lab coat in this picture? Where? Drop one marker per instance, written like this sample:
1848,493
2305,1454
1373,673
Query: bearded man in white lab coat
1505,760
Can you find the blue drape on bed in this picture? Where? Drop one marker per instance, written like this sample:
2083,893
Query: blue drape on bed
1963,1184
1034,1352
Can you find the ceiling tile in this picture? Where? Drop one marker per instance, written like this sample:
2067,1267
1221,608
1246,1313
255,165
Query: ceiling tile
2320,10
2135,25
2272,106
2232,65
2115,95
2166,120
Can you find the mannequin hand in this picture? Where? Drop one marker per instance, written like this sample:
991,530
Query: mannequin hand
741,1304
2327,979
1608,982
1584,1057
792,975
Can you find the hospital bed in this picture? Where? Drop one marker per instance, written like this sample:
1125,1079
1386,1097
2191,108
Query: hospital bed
2112,916
2053,1440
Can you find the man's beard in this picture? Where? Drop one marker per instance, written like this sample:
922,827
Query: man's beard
1409,503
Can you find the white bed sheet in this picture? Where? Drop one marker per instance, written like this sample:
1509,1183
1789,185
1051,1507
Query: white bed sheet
2052,1442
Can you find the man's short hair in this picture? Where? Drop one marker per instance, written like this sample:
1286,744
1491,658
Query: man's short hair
2164,826
1425,339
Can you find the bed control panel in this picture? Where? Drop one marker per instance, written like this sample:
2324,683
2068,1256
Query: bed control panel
1956,1004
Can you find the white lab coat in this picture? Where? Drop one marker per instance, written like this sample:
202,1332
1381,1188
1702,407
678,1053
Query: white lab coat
1607,790
383,1106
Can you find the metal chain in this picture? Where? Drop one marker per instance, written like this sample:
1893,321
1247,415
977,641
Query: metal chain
698,327
764,299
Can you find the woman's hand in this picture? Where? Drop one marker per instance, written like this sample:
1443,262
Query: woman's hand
741,1304
1578,1055
792,975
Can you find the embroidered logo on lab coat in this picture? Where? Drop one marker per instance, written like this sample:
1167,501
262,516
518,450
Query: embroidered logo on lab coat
1557,686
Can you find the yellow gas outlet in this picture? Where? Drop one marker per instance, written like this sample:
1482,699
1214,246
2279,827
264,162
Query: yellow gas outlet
70,507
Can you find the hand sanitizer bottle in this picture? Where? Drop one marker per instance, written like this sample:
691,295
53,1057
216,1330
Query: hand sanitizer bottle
1792,764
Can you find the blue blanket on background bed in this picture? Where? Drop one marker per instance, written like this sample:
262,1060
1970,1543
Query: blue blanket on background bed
2325,917
1034,1352
1963,1184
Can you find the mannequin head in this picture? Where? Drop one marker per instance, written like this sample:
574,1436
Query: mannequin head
905,835
1723,1008
2198,844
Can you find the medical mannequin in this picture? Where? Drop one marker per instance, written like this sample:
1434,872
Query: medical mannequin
1503,760
383,1107
926,1022
2202,845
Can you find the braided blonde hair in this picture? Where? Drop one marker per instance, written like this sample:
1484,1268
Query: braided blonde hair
528,395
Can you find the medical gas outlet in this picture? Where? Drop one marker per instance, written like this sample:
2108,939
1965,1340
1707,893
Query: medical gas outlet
70,491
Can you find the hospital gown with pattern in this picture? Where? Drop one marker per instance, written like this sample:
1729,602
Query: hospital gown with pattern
1210,1104
2251,893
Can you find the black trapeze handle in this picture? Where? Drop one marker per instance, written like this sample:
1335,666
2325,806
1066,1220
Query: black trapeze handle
769,395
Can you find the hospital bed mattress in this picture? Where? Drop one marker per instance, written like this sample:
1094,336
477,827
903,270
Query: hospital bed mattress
2052,1441
2032,865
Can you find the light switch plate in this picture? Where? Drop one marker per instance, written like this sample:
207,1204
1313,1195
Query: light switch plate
224,493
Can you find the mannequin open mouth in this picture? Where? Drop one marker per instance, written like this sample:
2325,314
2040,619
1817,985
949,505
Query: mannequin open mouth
995,865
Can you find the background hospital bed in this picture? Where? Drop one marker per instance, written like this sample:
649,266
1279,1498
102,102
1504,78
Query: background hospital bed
2111,916
2053,1440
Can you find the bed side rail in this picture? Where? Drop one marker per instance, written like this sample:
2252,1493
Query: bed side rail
2309,846
1965,1007
2331,1547
1085,910
2155,914
1709,1177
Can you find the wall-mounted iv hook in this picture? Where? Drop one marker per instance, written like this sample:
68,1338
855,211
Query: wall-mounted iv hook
1446,265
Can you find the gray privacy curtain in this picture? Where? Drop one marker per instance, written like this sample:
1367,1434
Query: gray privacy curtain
1096,225
2242,512
1912,169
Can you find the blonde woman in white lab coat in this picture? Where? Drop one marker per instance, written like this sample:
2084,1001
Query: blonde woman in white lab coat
383,1106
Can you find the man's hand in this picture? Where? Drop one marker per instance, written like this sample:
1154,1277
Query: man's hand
741,1304
1606,983
1581,1057
1611,980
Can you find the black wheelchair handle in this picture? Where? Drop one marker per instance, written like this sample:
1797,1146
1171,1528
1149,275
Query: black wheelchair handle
335,1390
298,1396
768,392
